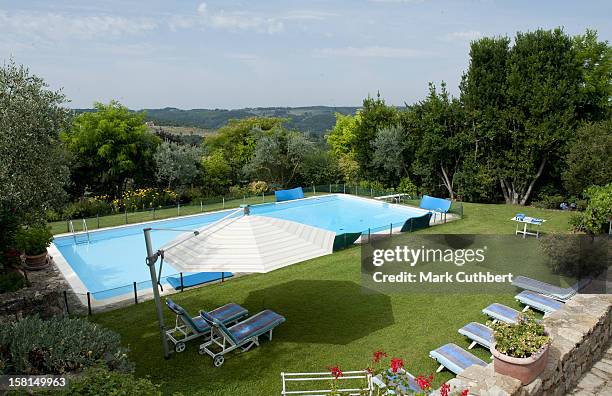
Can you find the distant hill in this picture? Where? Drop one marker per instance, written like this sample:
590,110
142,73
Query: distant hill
312,119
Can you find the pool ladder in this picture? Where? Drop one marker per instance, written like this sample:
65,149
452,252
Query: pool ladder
85,230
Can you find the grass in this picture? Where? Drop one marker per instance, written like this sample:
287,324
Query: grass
329,320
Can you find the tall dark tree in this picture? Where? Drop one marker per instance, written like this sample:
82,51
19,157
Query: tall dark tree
440,127
483,94
543,86
375,115
595,59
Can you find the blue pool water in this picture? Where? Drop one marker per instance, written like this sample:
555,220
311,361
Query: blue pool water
115,258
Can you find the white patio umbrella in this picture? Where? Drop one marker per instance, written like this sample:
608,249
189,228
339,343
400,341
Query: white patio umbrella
239,242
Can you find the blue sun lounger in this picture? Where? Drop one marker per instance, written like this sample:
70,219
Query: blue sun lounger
556,292
538,301
187,328
478,333
243,335
502,313
454,358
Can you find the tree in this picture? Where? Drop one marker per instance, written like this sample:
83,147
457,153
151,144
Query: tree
237,141
595,60
543,85
278,157
374,115
438,122
389,154
110,146
33,167
589,161
484,97
320,167
342,138
176,164
217,172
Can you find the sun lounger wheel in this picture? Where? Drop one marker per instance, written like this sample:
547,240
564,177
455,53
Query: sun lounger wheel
218,360
179,347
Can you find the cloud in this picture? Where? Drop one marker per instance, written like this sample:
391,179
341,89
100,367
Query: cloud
239,20
56,26
463,36
369,52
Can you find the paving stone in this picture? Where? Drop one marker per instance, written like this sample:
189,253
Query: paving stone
590,382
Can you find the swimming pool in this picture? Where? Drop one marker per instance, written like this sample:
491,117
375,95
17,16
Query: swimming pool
108,262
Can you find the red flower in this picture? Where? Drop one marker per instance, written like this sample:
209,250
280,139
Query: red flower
465,392
396,364
444,389
335,371
379,355
424,382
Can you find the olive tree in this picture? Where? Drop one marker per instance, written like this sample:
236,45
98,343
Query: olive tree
33,166
177,164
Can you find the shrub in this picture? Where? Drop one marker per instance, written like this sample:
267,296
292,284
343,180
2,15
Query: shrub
100,381
371,185
57,346
594,220
575,255
521,339
87,207
33,240
258,187
11,281
549,201
406,186
145,198
238,192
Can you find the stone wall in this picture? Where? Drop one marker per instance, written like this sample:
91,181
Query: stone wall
44,296
581,332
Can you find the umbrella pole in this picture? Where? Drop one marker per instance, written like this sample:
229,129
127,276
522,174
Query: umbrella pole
151,259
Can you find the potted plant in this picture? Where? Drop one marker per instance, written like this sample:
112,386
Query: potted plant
33,243
520,350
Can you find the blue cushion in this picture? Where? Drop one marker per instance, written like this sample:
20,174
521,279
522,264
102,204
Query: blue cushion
288,195
256,325
174,307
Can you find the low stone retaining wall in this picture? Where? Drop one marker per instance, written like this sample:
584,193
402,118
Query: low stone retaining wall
580,332
45,296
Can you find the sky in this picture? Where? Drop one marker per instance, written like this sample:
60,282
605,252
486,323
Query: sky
234,54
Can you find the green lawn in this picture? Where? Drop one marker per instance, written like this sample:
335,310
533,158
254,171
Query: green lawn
329,319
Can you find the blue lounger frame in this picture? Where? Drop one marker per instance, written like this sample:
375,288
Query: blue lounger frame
243,335
454,358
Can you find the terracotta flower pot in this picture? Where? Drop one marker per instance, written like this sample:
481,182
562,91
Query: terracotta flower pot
524,369
37,262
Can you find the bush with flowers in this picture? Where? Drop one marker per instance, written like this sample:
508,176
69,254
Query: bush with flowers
145,198
390,377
